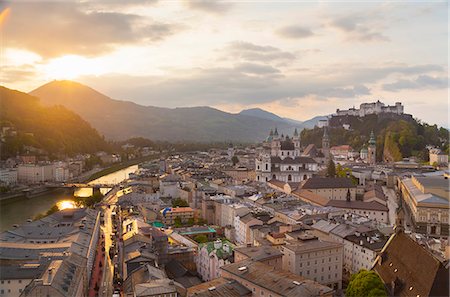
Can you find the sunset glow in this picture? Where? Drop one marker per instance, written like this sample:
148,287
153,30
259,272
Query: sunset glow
66,204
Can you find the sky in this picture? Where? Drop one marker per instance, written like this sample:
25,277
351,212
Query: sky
298,59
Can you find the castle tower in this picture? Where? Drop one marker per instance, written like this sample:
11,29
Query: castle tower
372,150
326,143
296,140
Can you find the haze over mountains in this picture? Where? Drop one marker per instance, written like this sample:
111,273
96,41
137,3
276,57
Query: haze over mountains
119,120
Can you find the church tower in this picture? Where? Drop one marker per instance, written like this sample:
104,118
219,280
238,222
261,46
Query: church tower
276,143
326,143
296,140
372,150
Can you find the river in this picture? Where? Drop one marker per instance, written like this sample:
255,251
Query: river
18,210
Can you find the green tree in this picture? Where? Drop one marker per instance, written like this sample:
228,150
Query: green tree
178,202
190,222
365,283
235,160
201,238
177,222
331,169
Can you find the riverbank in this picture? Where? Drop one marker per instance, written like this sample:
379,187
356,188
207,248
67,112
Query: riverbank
120,166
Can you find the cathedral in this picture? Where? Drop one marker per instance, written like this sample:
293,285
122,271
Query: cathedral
280,158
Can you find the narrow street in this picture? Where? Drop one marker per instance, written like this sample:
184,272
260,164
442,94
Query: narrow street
392,204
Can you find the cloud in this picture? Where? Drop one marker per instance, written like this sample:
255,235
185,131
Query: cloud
12,74
52,29
295,32
421,82
210,6
251,68
252,52
357,28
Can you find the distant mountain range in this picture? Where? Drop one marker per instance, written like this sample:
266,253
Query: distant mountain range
119,120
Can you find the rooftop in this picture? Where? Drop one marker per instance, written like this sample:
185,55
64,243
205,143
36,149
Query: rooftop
279,282
259,253
328,183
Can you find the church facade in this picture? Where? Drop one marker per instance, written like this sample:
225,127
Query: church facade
280,159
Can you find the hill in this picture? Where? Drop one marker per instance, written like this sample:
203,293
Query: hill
261,113
398,136
55,130
120,120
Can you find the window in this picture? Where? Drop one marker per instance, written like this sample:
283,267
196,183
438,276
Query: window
20,281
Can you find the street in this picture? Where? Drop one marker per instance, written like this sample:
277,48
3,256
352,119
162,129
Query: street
392,204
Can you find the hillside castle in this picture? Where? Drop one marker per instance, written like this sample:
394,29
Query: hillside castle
372,108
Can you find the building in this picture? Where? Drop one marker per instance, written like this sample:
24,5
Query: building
219,287
281,159
242,226
39,254
372,210
438,157
372,150
264,280
211,256
8,176
332,188
171,214
427,200
265,254
361,249
33,174
372,108
326,143
341,151
408,269
315,259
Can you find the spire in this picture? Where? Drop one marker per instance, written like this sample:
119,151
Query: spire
348,195
325,133
271,132
295,132
372,140
276,132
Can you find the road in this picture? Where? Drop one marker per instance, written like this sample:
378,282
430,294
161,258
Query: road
392,204
106,287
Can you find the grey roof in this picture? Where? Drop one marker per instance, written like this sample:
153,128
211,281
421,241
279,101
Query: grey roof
311,245
328,182
296,160
259,253
277,281
373,205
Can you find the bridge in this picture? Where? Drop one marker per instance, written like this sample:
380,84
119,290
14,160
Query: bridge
78,185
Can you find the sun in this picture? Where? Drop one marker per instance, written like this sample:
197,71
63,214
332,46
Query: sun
70,67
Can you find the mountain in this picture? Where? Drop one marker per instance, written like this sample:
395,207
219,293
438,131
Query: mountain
121,120
313,122
262,114
53,129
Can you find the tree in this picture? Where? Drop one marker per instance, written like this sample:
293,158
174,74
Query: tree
331,169
201,238
177,222
345,172
190,222
178,202
235,160
365,283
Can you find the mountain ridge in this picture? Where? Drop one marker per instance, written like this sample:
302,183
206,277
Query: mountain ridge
118,119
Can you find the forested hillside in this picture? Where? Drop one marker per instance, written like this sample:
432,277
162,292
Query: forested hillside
397,137
56,130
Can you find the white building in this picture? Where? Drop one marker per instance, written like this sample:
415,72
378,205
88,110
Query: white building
372,108
437,156
8,176
211,256
315,259
32,174
281,159
242,226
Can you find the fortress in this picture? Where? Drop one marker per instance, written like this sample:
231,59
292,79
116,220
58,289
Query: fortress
372,108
